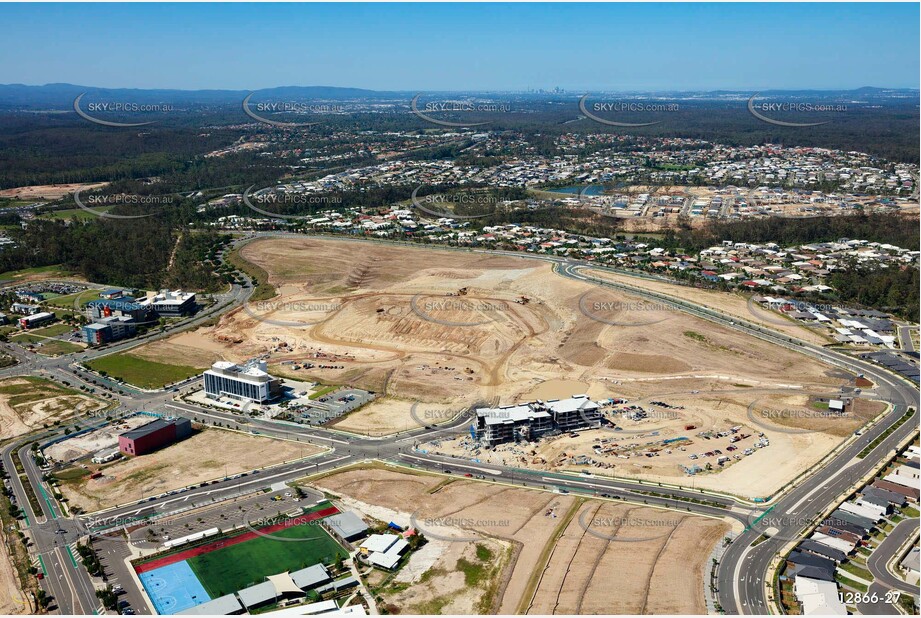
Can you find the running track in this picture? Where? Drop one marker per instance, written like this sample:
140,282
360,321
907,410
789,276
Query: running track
240,538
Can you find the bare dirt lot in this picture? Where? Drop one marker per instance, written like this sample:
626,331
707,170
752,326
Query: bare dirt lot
563,551
27,403
48,192
89,443
194,348
732,304
461,328
12,600
209,454
776,433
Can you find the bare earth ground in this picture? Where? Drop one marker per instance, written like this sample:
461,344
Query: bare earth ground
12,601
459,328
732,304
48,192
550,570
36,404
103,438
799,434
194,348
206,455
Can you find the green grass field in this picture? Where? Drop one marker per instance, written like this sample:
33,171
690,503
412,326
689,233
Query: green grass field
45,346
140,371
232,568
74,213
48,271
67,302
324,390
52,331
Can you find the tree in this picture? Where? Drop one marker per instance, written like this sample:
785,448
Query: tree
108,597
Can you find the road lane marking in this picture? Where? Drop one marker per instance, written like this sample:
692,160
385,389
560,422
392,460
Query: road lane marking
455,465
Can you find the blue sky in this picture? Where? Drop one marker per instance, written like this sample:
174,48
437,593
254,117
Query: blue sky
456,47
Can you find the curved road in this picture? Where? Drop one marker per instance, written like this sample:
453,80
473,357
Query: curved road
739,592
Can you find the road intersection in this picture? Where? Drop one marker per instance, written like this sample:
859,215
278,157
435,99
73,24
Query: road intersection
742,570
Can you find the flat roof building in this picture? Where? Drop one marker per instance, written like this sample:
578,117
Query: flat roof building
384,550
249,382
36,319
311,577
123,306
109,329
170,303
227,605
347,526
154,435
818,597
528,421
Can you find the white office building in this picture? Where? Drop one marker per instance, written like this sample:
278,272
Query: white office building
249,382
528,421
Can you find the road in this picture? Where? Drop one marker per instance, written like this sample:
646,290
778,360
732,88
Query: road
886,551
746,592
905,341
742,570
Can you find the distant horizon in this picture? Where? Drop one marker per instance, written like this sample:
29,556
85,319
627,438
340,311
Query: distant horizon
467,90
444,47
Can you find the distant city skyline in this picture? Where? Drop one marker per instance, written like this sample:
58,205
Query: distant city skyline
451,47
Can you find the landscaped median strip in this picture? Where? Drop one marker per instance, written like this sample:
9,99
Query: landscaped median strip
48,502
872,445
70,552
759,518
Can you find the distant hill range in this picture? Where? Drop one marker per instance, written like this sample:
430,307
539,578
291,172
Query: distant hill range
61,96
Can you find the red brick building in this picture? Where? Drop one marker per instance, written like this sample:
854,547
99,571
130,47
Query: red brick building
154,435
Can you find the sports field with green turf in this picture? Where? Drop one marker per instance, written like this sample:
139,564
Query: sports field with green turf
233,568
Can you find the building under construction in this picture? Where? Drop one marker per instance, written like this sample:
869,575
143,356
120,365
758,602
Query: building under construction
528,421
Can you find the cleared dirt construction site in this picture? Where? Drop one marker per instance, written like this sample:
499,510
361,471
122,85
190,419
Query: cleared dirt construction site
742,439
454,329
558,553
207,455
28,403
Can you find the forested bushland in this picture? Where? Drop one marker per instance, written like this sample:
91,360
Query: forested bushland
894,289
131,253
891,228
44,148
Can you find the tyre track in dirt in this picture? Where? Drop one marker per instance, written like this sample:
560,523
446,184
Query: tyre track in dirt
575,552
591,575
655,563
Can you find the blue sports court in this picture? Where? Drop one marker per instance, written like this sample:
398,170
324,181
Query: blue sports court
173,588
